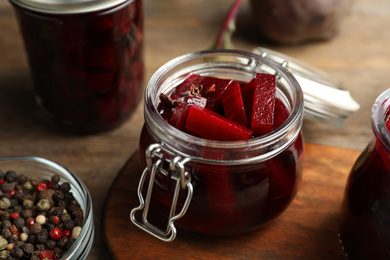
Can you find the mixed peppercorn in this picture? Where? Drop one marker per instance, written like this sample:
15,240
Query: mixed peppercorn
39,219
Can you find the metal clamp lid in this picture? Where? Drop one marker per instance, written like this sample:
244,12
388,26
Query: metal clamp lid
325,98
155,159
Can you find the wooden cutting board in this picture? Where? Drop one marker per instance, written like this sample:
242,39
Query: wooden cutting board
308,229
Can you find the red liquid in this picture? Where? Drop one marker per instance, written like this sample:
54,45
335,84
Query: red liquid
87,68
233,199
365,228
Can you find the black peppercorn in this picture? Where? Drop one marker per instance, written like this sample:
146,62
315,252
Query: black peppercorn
69,225
55,178
6,224
58,195
22,179
50,244
42,236
40,247
6,186
65,186
10,176
13,239
70,243
62,242
19,223
17,252
32,238
57,252
27,248
58,211
6,233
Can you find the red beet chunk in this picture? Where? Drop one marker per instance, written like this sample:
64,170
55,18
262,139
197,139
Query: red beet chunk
233,105
211,89
181,110
263,104
281,114
212,126
220,193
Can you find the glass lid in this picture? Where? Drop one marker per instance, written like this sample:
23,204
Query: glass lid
324,98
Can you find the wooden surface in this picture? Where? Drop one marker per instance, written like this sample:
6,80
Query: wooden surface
308,229
358,56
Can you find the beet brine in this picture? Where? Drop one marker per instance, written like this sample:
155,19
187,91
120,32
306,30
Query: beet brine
224,110
229,149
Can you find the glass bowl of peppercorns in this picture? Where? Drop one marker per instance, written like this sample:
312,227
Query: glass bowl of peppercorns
45,211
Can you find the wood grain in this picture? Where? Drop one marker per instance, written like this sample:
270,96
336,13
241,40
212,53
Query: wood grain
306,230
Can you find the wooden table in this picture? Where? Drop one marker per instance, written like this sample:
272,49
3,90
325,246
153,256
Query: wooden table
359,57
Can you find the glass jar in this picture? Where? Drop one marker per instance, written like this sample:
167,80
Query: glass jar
365,230
217,187
41,169
86,59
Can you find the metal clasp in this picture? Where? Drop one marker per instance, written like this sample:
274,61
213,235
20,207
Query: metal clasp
156,154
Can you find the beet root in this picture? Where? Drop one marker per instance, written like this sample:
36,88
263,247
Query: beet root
297,21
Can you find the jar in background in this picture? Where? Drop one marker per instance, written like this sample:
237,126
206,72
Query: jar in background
217,187
365,225
86,59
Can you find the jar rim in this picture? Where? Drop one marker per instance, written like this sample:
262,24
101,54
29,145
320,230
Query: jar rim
68,7
253,61
380,114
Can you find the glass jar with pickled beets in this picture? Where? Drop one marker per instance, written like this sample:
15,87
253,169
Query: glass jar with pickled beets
86,59
365,229
221,147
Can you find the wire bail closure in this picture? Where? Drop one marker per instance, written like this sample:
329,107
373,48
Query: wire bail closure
156,155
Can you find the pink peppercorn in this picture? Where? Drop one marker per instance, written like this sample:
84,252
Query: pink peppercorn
14,216
31,222
66,233
41,186
55,220
46,254
11,193
55,234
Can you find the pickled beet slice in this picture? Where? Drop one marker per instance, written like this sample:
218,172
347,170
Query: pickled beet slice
211,89
212,126
180,113
233,104
263,105
218,186
281,114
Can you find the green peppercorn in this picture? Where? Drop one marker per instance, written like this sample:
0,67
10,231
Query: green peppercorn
65,217
34,181
28,204
5,203
28,186
4,254
43,205
3,243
